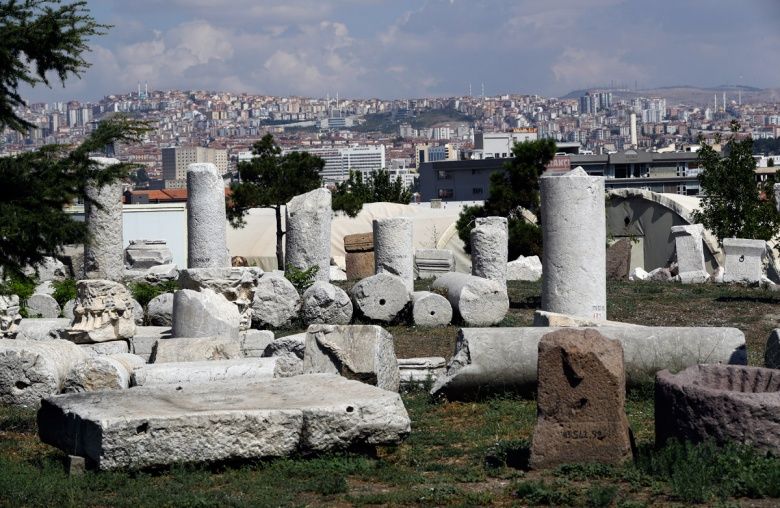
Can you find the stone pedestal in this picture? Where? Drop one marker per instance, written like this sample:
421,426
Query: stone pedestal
574,277
103,312
359,250
144,254
103,252
308,232
580,403
490,248
206,221
743,260
690,253
393,248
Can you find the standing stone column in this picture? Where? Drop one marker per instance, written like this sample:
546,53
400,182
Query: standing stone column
104,252
206,221
574,268
490,248
690,253
393,248
308,232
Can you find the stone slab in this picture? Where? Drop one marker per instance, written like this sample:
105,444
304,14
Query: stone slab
419,371
542,318
185,373
743,260
41,329
143,427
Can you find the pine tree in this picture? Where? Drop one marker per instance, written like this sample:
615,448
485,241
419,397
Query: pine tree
270,180
38,37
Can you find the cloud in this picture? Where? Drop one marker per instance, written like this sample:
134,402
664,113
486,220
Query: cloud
577,67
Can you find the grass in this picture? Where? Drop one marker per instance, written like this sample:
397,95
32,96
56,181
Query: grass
459,453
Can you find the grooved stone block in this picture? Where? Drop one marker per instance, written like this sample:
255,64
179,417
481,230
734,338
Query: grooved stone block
143,427
429,263
195,349
574,233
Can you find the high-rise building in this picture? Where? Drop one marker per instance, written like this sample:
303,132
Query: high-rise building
176,159
340,160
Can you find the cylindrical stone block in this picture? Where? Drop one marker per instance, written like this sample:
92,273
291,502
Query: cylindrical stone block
31,370
574,233
480,302
99,373
430,309
380,297
393,248
104,250
359,250
206,221
308,232
490,248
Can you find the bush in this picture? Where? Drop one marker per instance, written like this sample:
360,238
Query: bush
143,292
64,291
301,279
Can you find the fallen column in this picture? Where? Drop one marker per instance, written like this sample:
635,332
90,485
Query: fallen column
206,220
478,301
393,248
574,274
104,252
32,370
245,369
380,297
490,359
430,309
102,373
143,427
307,240
490,248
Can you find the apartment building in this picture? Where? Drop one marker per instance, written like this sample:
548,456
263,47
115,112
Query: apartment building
176,159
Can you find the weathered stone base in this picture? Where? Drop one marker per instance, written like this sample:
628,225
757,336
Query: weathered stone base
143,427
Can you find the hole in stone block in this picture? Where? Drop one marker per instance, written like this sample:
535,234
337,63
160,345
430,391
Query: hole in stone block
21,385
144,427
382,301
350,409
433,313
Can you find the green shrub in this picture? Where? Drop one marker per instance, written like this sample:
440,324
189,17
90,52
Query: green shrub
144,292
598,496
301,279
540,493
64,290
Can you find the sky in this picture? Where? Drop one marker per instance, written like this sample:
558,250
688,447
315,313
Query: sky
423,48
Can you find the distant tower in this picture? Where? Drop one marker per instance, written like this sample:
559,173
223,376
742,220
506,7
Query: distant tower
146,89
724,101
634,141
139,89
469,89
716,103
483,91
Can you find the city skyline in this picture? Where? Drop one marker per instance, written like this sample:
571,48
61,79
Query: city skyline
416,49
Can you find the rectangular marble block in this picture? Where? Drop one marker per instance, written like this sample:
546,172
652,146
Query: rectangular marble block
743,260
142,427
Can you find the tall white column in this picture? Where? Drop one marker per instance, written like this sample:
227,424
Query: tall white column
206,219
104,251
